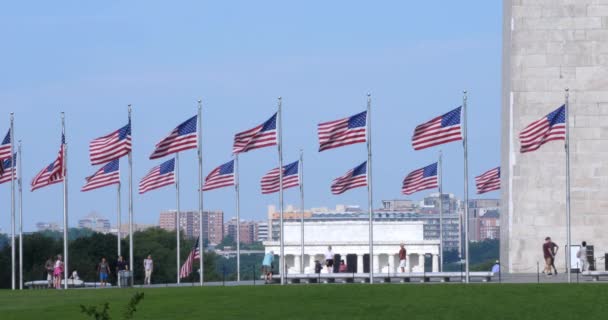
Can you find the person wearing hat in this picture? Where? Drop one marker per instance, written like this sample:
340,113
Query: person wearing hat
267,266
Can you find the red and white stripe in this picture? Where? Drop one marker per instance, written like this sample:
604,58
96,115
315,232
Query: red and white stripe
415,181
488,181
6,175
215,180
254,139
5,147
154,180
334,134
270,181
432,133
540,132
187,267
101,179
48,177
108,148
347,182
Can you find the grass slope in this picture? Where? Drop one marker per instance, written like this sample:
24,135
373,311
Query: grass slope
488,301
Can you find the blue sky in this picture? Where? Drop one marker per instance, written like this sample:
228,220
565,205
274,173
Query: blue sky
91,59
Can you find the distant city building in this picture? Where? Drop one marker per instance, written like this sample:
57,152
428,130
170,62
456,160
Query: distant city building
486,227
47,226
95,222
430,204
213,222
261,231
247,230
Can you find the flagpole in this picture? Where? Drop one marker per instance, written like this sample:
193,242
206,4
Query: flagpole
130,157
466,185
19,184
118,214
12,137
280,149
65,203
301,210
370,189
238,217
201,242
177,215
440,212
568,239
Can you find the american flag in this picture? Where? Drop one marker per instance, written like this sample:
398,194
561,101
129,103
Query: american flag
549,128
186,268
354,178
488,181
270,181
343,132
421,179
7,169
53,173
440,130
111,146
107,175
222,176
182,138
264,135
5,147
160,176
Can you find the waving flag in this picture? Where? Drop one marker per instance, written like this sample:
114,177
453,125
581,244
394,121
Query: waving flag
111,146
488,181
264,135
182,138
549,128
440,130
421,179
343,132
7,169
160,176
222,176
186,268
354,178
5,147
53,173
270,181
107,175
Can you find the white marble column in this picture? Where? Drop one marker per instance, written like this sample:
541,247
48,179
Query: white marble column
408,258
359,263
421,258
435,263
311,259
377,263
297,264
391,263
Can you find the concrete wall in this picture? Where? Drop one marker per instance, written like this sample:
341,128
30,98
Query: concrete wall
550,45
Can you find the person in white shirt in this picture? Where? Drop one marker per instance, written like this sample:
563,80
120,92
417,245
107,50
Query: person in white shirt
329,260
148,266
582,257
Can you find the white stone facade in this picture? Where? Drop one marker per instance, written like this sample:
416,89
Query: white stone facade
550,45
351,238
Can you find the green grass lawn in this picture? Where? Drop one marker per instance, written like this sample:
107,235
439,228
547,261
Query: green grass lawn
454,301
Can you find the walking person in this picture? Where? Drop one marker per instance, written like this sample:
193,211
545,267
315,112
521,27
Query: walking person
103,269
402,257
121,265
329,260
582,257
549,251
148,267
267,266
49,266
58,272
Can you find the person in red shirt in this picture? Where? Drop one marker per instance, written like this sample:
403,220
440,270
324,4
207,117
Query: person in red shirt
549,252
343,267
402,257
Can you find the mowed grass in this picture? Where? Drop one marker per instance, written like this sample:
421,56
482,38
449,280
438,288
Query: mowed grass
454,301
